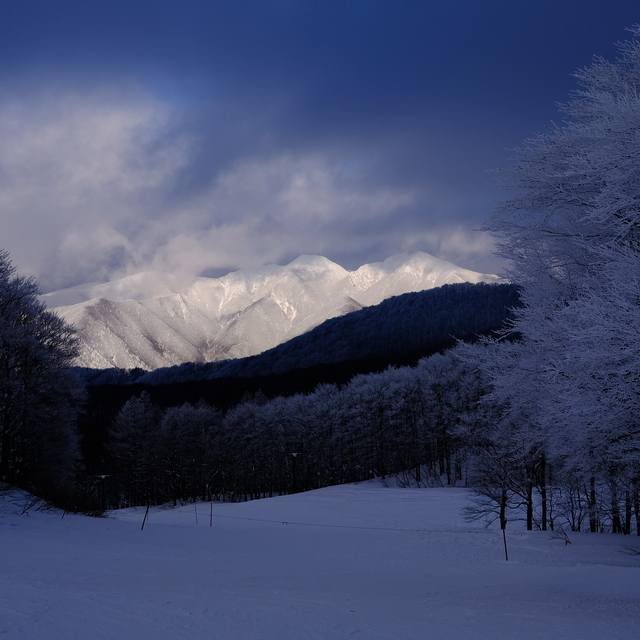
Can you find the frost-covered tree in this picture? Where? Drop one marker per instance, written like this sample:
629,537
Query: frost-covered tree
39,398
579,183
331,437
134,447
572,234
451,387
502,434
188,452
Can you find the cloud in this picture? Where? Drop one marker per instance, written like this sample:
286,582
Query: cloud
78,175
208,136
267,210
463,246
272,210
95,186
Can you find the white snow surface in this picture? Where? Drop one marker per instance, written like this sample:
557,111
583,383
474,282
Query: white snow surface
352,561
152,320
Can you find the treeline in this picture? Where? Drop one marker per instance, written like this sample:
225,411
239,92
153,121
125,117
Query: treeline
400,420
433,424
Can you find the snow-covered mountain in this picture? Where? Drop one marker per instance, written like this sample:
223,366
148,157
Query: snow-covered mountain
153,320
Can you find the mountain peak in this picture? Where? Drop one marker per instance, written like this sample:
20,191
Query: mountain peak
317,265
311,261
155,320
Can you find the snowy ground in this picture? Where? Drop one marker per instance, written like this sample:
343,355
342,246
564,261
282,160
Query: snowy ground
355,561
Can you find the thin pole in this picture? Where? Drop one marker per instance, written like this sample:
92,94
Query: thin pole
211,514
504,537
146,513
195,508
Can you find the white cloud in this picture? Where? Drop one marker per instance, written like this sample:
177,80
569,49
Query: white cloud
461,245
76,172
261,210
92,187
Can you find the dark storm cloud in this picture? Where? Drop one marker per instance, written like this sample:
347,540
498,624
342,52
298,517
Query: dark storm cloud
200,135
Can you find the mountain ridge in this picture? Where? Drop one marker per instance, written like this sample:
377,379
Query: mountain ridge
152,320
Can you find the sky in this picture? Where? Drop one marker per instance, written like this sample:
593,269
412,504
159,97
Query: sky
203,136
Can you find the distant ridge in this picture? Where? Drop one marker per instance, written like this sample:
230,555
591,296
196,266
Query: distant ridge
151,320
397,332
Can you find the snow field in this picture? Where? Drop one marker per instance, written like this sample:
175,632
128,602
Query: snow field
353,561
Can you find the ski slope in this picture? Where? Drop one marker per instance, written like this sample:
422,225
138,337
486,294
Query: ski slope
354,561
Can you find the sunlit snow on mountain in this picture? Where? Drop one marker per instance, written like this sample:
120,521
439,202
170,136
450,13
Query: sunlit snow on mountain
153,320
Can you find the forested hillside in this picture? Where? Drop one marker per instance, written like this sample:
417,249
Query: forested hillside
398,331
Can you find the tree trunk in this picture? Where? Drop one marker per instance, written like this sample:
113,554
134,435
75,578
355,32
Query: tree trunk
616,525
5,452
593,518
627,513
543,491
503,508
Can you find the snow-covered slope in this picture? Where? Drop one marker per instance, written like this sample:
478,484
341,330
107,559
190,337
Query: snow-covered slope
153,320
353,561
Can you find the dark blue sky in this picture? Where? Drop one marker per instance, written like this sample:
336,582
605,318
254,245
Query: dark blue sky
206,136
